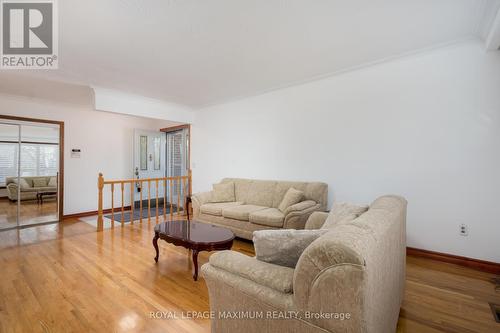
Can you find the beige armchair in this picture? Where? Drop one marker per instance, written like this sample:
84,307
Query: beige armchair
351,279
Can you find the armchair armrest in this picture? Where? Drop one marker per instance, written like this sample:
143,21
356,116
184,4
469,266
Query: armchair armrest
199,199
276,277
331,269
316,220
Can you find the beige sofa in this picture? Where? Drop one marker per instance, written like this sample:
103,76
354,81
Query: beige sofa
256,206
357,268
30,192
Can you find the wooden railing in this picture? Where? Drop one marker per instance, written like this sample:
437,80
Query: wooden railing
175,191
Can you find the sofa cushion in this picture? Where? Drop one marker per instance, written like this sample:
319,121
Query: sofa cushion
223,193
216,208
282,187
241,187
317,192
271,217
291,197
52,182
241,212
342,213
45,189
261,193
39,182
23,183
283,247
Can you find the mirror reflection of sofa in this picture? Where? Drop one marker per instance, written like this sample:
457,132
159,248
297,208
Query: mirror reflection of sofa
30,186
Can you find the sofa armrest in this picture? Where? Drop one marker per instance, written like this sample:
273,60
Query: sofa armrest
276,277
12,191
301,206
316,220
199,199
297,215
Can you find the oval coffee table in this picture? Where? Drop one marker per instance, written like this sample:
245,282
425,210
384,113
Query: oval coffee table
195,236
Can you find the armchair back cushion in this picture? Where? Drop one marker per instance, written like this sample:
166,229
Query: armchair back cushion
343,213
283,247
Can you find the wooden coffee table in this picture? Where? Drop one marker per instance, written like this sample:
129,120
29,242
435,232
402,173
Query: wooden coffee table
195,236
40,195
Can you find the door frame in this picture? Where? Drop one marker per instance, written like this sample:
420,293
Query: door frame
178,128
61,153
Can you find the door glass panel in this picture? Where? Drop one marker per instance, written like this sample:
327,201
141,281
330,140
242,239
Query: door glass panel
9,143
144,152
39,173
157,153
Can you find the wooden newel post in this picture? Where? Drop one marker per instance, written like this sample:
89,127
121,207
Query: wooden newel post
100,186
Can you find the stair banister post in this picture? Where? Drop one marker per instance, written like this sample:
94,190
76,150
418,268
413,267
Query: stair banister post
100,186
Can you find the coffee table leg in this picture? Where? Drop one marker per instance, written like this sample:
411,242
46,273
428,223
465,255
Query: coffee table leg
155,244
195,263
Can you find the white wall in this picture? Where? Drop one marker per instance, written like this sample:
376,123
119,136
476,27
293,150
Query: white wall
105,139
426,127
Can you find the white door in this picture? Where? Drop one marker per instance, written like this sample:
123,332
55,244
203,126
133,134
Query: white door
149,162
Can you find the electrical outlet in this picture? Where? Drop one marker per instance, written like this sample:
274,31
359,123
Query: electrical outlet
464,230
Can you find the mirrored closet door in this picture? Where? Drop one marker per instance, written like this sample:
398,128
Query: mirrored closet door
10,135
29,173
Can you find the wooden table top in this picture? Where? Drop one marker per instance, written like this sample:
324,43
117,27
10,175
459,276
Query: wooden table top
194,232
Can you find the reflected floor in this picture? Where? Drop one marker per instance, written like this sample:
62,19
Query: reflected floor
30,212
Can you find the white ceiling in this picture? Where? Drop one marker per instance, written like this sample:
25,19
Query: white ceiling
201,52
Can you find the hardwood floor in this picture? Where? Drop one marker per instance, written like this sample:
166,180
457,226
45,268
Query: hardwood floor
68,278
442,297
